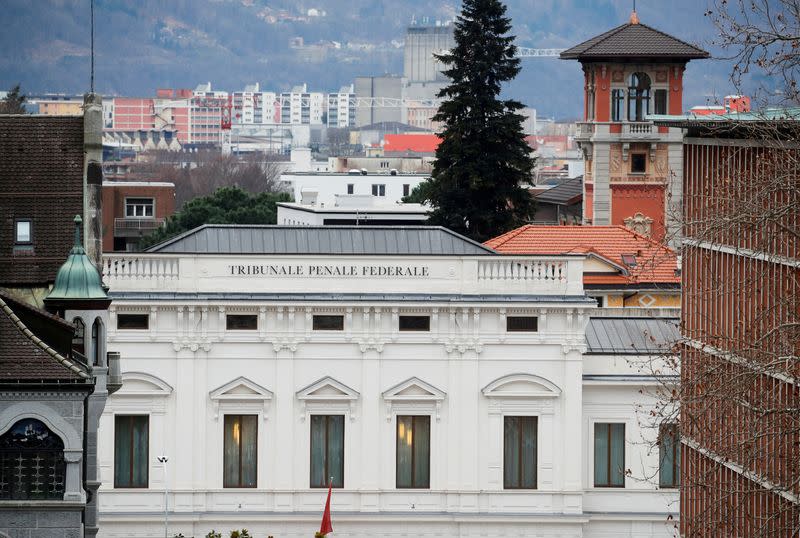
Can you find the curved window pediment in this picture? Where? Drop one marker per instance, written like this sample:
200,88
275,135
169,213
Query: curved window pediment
32,465
521,386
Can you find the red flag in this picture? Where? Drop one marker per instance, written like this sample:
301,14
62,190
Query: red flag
325,527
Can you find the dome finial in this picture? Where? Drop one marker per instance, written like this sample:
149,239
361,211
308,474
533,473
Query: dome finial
634,17
78,221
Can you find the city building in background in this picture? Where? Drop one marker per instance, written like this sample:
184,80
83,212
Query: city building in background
133,209
351,210
342,107
324,186
301,107
630,72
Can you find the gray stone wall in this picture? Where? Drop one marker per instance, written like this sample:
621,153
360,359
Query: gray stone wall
40,520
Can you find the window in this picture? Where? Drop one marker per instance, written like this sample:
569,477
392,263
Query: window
241,322
413,451
133,321
139,207
609,455
660,101
328,323
638,163
617,105
96,341
406,189
638,97
350,188
599,299
378,190
415,323
519,449
327,450
78,343
522,324
131,451
32,465
384,164
669,456
23,232
240,451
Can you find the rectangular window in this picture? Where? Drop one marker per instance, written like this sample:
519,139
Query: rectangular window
139,207
131,451
526,324
378,190
328,323
599,299
240,451
327,450
350,188
415,323
669,456
519,449
413,451
609,455
241,322
638,163
661,102
23,232
617,105
133,322
406,189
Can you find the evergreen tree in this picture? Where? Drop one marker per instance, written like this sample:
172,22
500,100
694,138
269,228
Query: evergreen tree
483,160
14,102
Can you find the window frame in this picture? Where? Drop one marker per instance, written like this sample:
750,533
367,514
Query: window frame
230,317
131,465
351,188
522,418
639,96
130,316
609,467
379,189
660,92
315,317
637,154
326,463
414,438
412,330
225,483
406,189
17,222
672,430
139,203
618,109
509,328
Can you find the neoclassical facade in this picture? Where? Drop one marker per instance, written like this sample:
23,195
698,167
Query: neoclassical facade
439,387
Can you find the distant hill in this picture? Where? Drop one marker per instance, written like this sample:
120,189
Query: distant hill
145,44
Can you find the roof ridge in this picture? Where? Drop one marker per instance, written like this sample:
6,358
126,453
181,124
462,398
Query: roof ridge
598,38
698,49
27,333
509,235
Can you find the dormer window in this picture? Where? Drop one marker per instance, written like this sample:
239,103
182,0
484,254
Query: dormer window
638,97
23,232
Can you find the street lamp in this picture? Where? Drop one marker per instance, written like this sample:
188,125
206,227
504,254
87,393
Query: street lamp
164,459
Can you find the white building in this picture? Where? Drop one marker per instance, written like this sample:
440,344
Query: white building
342,107
391,188
301,107
252,106
442,387
350,209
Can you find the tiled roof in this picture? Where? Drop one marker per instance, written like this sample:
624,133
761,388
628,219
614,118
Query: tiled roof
655,263
413,143
633,39
566,193
41,178
24,356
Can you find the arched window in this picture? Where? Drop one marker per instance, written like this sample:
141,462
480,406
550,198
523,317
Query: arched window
78,337
638,97
31,462
97,338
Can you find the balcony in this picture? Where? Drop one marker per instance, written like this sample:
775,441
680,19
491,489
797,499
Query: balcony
136,227
633,131
640,130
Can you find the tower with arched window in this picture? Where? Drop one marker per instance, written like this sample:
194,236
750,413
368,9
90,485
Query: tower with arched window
633,168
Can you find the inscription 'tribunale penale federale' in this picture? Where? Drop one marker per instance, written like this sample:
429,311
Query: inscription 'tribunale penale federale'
313,270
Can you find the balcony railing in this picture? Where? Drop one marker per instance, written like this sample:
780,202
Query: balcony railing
144,225
638,129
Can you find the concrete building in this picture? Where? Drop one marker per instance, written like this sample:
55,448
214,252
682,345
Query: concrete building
388,90
133,209
629,72
326,185
350,210
443,387
301,107
342,107
422,42
252,106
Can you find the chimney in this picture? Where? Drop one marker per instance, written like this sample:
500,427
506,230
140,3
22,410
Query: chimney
93,176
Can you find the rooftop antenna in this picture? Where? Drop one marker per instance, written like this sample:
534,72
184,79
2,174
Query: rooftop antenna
91,24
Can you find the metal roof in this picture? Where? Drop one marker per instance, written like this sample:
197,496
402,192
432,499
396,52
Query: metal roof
565,193
632,336
322,240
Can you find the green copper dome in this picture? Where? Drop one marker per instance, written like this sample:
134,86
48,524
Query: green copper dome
78,279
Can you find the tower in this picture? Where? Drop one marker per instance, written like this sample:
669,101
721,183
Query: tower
633,168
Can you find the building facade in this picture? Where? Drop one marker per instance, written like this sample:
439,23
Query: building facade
440,386
323,187
342,107
133,209
301,107
629,72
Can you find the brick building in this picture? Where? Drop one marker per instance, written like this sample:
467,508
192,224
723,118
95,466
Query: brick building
133,209
629,72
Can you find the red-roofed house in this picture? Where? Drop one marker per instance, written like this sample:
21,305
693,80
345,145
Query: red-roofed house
623,268
395,145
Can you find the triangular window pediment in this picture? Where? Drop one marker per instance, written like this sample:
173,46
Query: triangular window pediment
413,389
241,388
327,388
521,386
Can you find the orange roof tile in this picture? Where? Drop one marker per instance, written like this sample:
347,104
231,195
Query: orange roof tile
415,143
655,263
